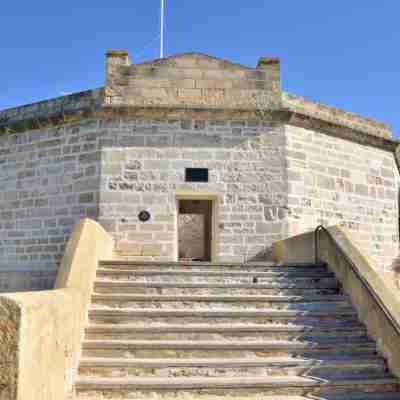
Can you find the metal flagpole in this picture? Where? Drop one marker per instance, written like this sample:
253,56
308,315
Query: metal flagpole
162,29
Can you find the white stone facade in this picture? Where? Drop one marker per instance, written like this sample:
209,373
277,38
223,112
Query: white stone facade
143,168
49,180
278,165
334,181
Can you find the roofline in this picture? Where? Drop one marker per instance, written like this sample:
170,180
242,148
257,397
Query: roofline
194,53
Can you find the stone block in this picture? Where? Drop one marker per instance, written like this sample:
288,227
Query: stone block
153,250
140,237
111,169
275,213
362,190
111,197
159,140
268,228
156,164
129,249
149,227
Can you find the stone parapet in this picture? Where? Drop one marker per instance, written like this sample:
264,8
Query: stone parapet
33,116
182,85
192,79
335,116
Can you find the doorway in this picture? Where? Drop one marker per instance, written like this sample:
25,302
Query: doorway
195,228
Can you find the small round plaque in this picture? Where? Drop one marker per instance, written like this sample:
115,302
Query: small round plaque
144,216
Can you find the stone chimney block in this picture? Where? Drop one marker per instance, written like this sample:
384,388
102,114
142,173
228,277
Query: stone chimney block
116,60
272,67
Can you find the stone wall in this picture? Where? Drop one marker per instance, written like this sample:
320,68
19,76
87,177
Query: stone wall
130,143
336,116
143,168
334,181
49,180
76,102
192,80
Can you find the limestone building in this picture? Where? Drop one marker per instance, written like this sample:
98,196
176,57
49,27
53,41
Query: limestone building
189,157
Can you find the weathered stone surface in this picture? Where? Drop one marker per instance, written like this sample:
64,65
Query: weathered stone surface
9,325
343,183
209,82
270,175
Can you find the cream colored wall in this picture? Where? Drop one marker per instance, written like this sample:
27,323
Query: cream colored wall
49,325
332,181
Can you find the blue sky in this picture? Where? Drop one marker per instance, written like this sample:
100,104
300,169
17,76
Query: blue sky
343,53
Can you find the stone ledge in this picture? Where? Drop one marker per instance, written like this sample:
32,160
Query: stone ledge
302,106
277,116
294,111
47,109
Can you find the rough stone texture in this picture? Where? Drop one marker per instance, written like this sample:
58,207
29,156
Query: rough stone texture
191,79
334,181
9,323
334,115
279,164
64,105
12,281
49,180
143,167
271,181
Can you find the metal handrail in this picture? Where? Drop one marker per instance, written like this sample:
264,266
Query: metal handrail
395,324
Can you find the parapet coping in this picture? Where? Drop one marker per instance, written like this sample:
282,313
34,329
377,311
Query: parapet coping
294,110
339,116
166,60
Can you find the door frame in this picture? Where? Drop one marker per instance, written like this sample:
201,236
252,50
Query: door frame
214,198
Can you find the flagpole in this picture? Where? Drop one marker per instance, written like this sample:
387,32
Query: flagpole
162,29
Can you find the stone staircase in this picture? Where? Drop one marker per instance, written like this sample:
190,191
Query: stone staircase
215,331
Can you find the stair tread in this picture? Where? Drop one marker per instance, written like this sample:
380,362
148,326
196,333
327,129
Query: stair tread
220,362
344,396
273,285
300,274
222,312
262,264
198,382
317,333
259,344
233,298
221,328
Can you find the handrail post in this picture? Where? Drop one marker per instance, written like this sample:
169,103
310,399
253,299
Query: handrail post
316,242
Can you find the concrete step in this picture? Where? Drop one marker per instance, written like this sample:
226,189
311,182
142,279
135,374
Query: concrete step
340,329
236,387
173,368
244,395
130,274
265,316
227,349
214,298
200,278
351,395
209,266
218,302
287,287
